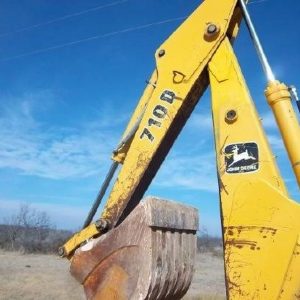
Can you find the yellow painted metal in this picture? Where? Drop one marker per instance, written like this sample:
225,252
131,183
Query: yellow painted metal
180,79
121,153
261,225
279,98
78,238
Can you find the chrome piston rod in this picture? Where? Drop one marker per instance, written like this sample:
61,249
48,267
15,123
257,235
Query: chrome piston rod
260,51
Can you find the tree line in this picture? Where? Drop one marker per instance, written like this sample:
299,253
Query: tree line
31,231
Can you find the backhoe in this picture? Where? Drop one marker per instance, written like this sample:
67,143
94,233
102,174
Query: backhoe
146,249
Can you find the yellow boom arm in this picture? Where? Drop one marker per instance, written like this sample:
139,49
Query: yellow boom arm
174,89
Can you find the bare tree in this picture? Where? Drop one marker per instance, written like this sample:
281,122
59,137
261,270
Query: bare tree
9,233
26,230
208,243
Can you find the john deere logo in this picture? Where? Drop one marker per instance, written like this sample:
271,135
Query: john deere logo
241,158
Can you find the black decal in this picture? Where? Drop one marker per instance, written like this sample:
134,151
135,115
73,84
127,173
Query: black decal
168,96
154,122
159,111
241,158
148,134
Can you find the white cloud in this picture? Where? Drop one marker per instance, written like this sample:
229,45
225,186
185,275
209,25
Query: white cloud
34,148
194,172
31,147
200,121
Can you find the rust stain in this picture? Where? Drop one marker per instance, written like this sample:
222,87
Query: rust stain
241,243
230,232
262,229
114,285
233,287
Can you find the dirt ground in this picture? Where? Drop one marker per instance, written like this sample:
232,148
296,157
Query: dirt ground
42,277
208,281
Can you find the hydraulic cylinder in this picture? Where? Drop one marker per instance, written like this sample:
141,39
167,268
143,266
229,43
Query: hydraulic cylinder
279,98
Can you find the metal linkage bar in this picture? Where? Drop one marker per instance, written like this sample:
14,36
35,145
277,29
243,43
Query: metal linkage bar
101,194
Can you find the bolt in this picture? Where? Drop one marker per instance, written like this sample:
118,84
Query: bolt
101,224
161,53
61,251
211,29
231,116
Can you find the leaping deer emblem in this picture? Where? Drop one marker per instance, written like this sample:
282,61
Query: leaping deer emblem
240,156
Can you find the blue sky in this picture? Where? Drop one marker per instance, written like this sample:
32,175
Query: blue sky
63,109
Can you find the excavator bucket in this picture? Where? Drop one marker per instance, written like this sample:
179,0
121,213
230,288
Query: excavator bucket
148,256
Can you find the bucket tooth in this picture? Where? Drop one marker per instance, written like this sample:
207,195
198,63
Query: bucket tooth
148,256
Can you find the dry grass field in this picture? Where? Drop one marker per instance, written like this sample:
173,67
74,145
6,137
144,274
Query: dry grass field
42,277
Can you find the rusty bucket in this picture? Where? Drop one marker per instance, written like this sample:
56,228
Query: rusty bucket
148,256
